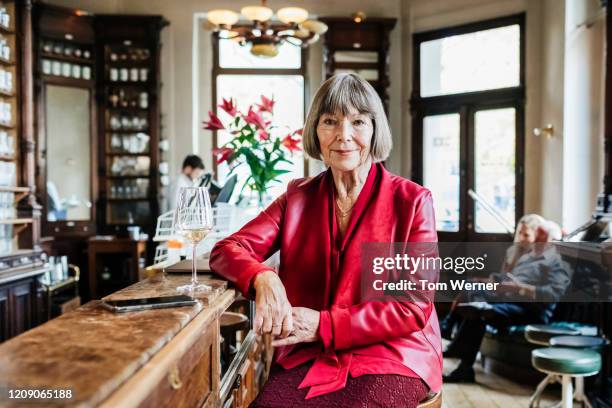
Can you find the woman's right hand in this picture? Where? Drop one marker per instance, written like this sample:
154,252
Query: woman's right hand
273,312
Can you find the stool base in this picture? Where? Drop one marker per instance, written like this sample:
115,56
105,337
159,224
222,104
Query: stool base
568,396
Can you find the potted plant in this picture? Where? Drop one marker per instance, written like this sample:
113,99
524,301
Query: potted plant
256,142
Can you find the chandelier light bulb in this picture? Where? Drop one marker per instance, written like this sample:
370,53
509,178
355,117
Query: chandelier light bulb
301,33
257,13
314,39
262,36
220,17
315,26
264,50
292,15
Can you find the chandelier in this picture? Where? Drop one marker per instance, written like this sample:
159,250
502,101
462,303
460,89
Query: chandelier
264,37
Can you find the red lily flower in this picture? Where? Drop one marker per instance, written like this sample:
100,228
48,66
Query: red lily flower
214,123
254,118
266,105
292,142
223,154
263,135
229,106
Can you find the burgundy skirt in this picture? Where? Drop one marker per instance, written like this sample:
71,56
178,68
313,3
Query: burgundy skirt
379,390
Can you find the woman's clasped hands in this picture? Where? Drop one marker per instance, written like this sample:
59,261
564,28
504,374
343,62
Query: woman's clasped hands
275,315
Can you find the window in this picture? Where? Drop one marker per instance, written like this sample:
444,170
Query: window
240,75
486,59
468,136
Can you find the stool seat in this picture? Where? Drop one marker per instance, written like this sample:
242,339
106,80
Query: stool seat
566,361
542,333
583,342
433,400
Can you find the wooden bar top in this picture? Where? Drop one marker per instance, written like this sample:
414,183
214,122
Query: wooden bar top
92,351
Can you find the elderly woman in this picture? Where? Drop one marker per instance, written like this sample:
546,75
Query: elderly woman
322,330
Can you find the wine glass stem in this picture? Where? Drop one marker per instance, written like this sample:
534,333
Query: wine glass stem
194,271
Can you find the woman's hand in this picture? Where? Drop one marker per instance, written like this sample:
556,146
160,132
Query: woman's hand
272,308
305,327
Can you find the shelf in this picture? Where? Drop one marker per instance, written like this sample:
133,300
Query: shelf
127,131
128,177
6,31
6,93
128,109
17,253
70,80
128,64
19,192
127,199
10,189
17,221
145,154
6,125
59,285
146,121
110,83
8,158
7,62
66,58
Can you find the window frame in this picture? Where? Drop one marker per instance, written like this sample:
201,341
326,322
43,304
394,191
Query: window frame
466,104
218,70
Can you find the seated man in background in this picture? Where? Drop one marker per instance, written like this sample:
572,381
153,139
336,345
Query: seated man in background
534,272
193,174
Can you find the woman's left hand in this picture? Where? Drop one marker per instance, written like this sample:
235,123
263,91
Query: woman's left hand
305,327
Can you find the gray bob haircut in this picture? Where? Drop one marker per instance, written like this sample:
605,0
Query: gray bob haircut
339,94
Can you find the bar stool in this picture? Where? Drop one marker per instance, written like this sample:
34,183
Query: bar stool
229,324
541,334
580,342
567,363
433,400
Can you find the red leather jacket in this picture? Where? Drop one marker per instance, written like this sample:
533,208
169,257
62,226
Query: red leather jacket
322,272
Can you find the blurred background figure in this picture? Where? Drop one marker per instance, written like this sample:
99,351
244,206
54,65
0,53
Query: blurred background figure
533,273
193,173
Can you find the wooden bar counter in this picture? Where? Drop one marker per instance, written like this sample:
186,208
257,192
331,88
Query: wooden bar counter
153,358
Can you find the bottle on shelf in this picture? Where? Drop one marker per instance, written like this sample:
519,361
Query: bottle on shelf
5,50
5,18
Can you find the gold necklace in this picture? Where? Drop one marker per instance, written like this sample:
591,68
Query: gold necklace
344,214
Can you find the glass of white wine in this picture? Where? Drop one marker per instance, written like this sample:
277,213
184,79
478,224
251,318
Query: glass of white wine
193,219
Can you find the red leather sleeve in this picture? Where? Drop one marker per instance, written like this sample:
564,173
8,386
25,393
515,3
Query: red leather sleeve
238,258
375,322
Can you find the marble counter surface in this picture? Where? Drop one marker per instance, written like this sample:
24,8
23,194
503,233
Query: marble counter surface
92,351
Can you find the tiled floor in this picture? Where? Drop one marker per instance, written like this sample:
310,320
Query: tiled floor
490,391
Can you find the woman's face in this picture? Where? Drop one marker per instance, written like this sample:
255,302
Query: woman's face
345,140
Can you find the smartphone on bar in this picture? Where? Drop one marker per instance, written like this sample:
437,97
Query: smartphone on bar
131,305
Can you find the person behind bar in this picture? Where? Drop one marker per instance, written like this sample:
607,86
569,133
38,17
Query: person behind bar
533,272
193,173
332,349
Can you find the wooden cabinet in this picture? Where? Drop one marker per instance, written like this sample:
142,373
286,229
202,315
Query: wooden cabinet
19,307
128,60
155,358
188,381
240,393
250,373
4,315
361,48
23,303
114,264
18,227
116,60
